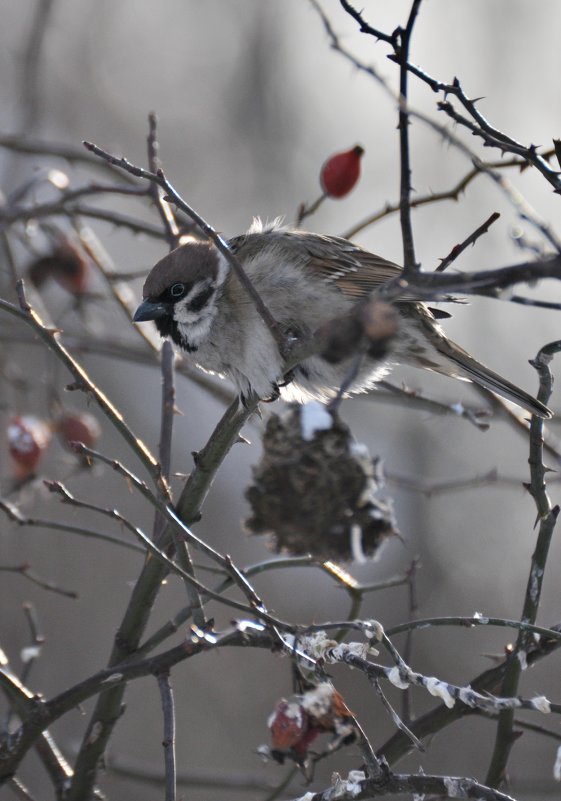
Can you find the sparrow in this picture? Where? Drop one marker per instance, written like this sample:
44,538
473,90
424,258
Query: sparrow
305,279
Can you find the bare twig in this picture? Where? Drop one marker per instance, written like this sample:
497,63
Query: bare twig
62,150
441,716
20,790
493,137
408,784
83,382
522,207
365,27
398,722
135,619
472,621
168,408
168,743
547,517
25,571
457,250
147,774
173,196
12,214
402,53
307,211
16,516
416,400
406,708
30,89
164,209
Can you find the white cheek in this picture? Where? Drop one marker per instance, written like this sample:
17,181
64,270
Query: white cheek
194,326
182,314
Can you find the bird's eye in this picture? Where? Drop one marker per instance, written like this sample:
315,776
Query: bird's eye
177,290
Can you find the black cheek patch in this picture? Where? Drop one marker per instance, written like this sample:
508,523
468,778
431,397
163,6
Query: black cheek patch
201,300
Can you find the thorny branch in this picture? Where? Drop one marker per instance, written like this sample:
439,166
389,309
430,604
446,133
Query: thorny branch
127,660
547,518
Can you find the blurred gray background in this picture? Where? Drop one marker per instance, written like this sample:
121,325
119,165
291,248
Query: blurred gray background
251,99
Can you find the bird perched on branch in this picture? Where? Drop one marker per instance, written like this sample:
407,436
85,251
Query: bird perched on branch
304,280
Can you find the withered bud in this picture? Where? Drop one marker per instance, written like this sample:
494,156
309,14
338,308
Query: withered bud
341,337
66,265
380,323
371,324
314,490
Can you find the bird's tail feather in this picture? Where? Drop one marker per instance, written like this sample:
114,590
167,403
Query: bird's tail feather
479,374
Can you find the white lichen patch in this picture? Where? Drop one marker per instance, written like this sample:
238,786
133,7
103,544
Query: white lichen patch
440,690
541,703
316,644
467,696
360,649
396,679
354,780
557,766
372,629
453,787
351,786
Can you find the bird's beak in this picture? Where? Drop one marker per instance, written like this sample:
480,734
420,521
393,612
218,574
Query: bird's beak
149,310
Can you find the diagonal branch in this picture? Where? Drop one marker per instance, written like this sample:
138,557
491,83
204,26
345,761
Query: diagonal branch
173,196
83,382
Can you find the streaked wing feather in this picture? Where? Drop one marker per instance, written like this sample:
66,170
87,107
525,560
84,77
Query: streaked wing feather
356,272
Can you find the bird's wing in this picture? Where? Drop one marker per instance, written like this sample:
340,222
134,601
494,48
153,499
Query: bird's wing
356,272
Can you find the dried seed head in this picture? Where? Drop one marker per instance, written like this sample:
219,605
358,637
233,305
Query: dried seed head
314,490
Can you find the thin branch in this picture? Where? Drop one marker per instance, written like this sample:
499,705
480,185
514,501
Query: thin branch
172,626
113,217
357,787
164,209
19,789
40,147
15,516
26,571
547,517
397,721
495,138
441,716
457,250
173,196
472,621
14,213
414,399
538,304
83,382
402,675
168,743
256,609
406,708
30,89
167,408
488,283
402,51
135,619
365,27
429,489
150,774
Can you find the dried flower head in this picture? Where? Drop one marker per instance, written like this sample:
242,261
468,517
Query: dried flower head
314,490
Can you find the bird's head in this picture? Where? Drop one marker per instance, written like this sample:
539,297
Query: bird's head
180,293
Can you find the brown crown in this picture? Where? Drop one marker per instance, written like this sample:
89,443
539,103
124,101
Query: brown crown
187,263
